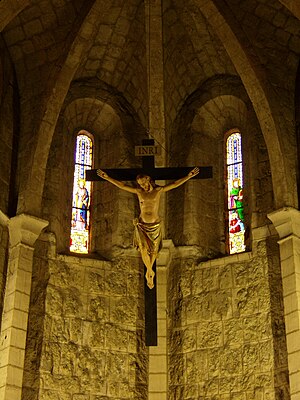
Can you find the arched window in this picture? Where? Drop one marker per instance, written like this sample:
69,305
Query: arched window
80,224
235,187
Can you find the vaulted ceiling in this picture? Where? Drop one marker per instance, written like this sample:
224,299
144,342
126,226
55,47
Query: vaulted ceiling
111,41
54,44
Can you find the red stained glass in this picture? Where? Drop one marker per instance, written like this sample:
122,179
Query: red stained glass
235,187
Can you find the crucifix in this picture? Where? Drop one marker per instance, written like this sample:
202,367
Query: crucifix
147,232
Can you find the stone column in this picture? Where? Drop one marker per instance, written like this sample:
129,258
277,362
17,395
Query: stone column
155,74
23,232
154,43
287,223
158,355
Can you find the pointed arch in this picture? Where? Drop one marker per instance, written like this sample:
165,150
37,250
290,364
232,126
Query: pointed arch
293,6
260,94
9,9
30,198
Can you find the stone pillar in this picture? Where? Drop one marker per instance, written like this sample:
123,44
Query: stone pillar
287,223
158,355
23,232
155,74
154,43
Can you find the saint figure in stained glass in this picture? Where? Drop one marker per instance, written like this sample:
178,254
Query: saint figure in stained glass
79,241
236,227
81,204
236,198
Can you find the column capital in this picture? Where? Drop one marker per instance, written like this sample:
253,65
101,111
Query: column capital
286,221
25,229
165,253
3,219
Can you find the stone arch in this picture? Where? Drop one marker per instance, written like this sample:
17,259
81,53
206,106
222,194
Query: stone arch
30,197
297,120
9,132
260,94
293,6
219,105
128,132
9,9
97,108
99,90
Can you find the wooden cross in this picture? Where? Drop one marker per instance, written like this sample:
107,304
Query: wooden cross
147,151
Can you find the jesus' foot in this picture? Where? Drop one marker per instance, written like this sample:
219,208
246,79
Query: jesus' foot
149,277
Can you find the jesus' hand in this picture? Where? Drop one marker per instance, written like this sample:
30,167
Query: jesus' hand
195,171
102,174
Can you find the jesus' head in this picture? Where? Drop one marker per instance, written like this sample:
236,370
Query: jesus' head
145,182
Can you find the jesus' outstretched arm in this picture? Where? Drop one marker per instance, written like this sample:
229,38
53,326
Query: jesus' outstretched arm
181,181
115,182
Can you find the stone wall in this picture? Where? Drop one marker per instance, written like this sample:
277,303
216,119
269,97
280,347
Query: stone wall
8,129
182,67
226,328
258,176
3,258
57,203
86,330
112,210
197,212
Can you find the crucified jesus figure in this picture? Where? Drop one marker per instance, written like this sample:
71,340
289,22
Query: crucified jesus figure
147,233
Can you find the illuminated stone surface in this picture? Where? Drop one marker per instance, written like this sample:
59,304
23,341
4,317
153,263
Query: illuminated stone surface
184,73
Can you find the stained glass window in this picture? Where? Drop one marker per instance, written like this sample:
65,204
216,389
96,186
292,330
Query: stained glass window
235,187
80,223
